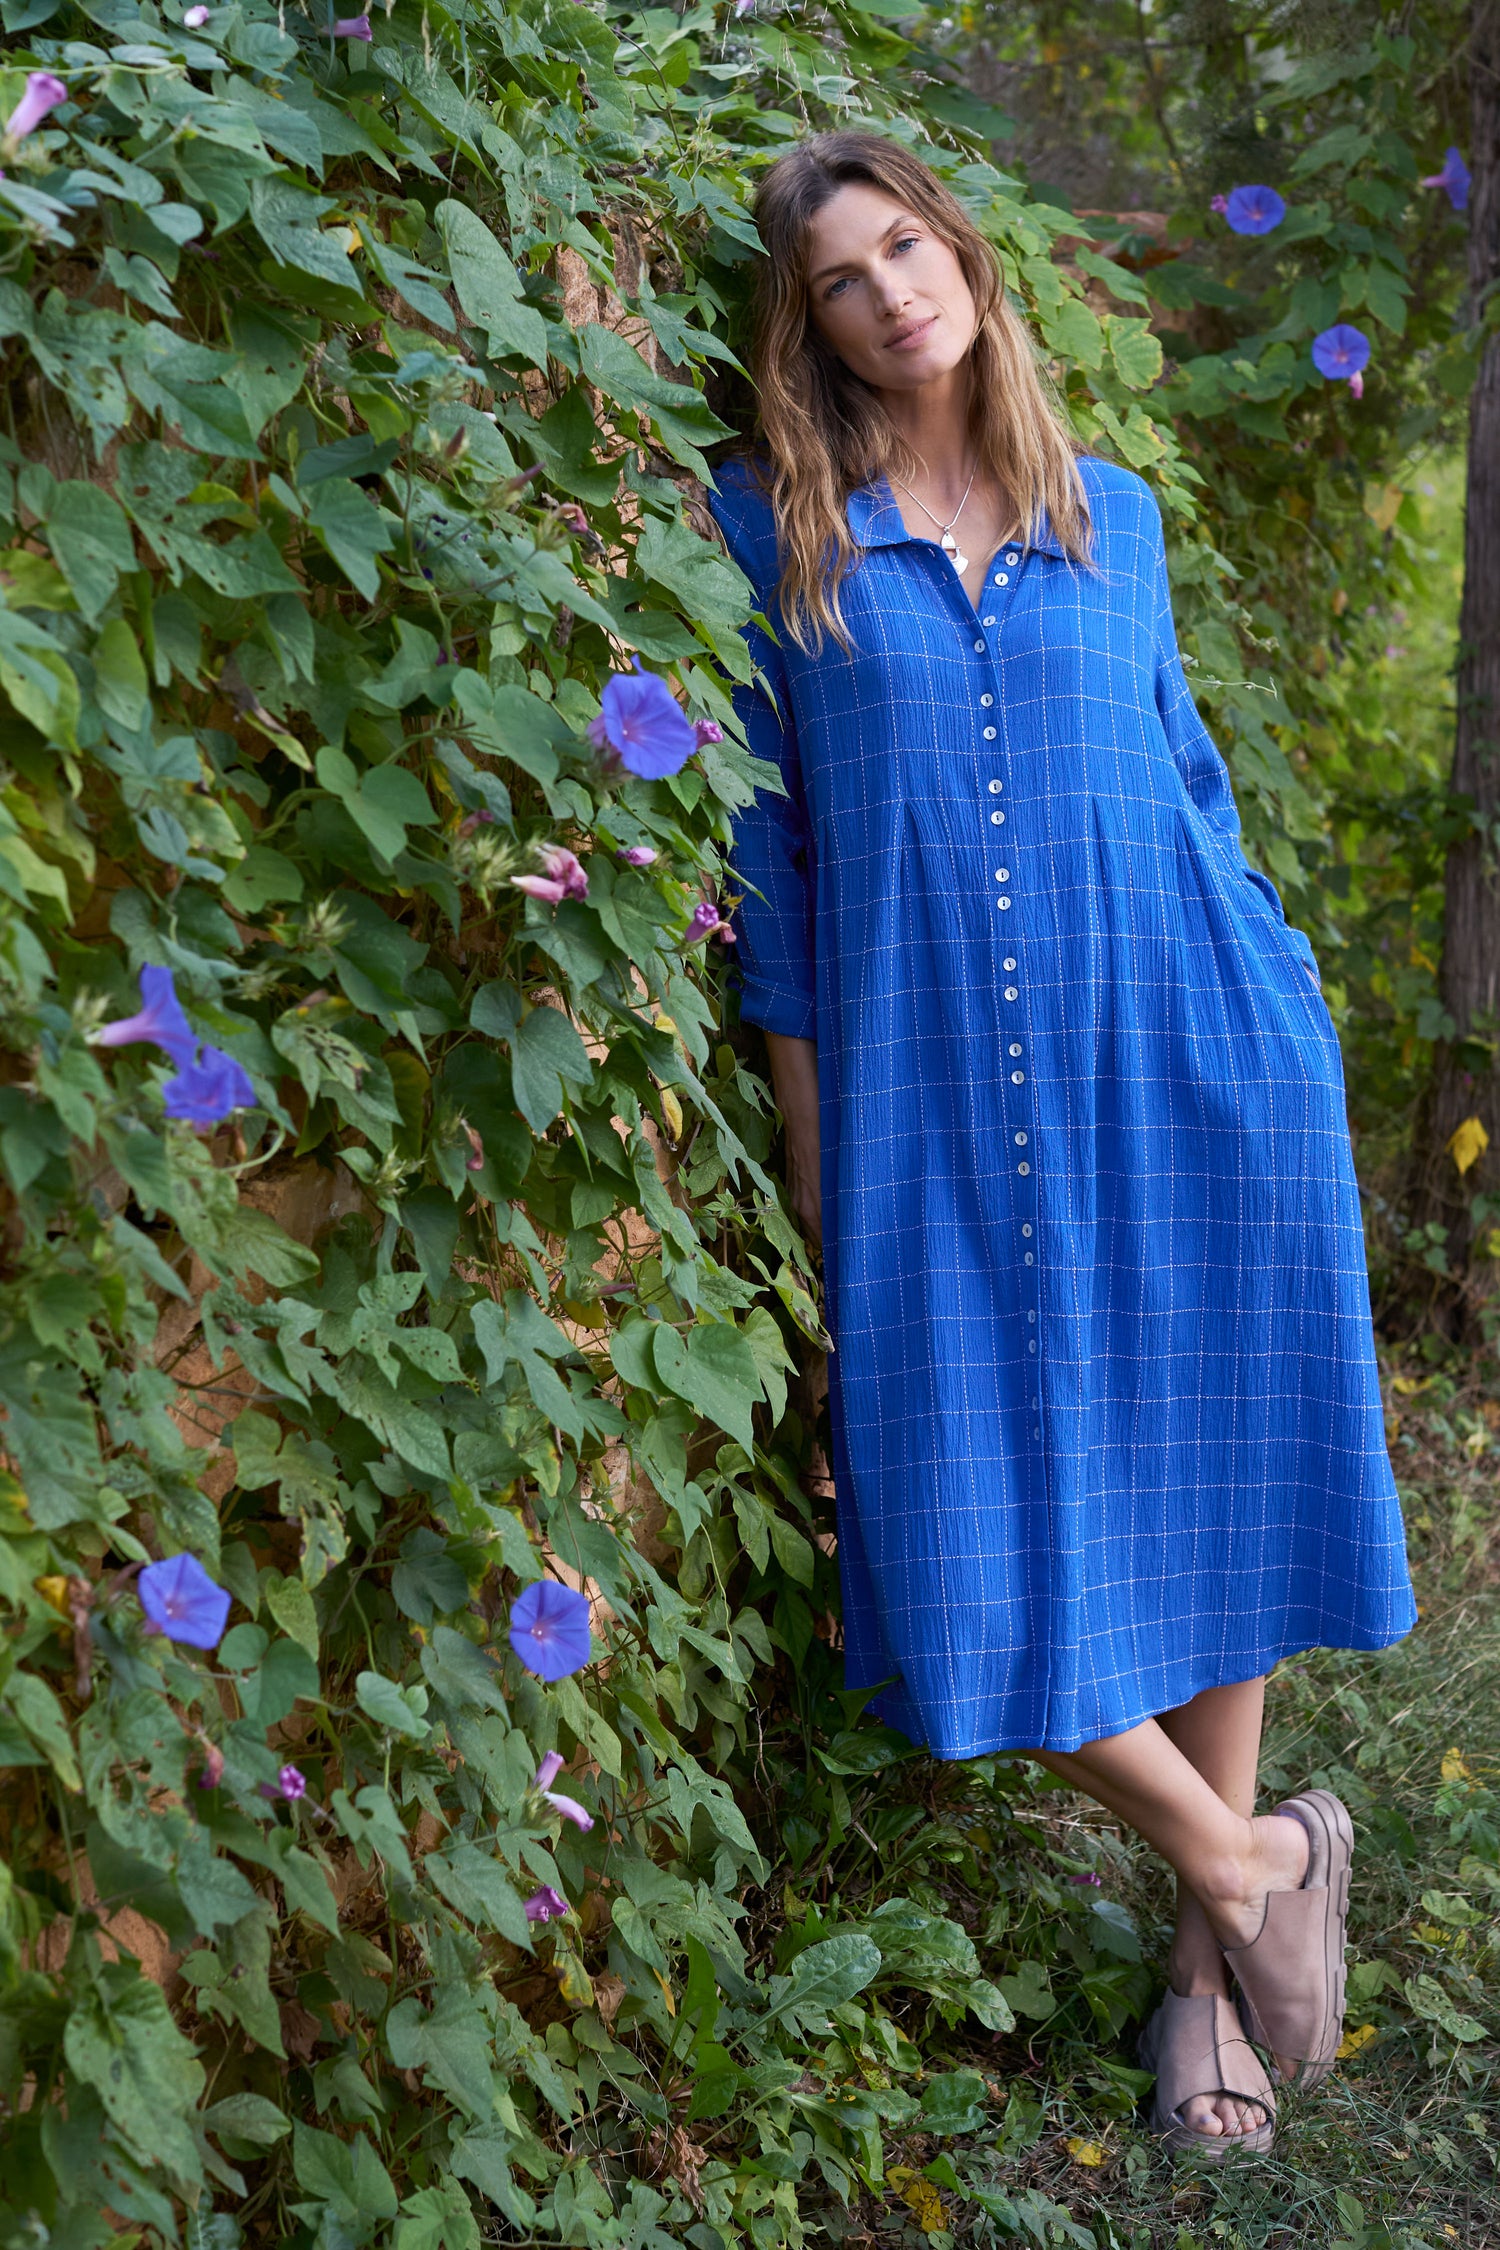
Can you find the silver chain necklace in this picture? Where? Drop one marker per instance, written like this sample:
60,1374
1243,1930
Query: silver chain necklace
947,542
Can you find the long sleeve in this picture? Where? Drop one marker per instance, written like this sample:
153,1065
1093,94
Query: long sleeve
773,854
1198,759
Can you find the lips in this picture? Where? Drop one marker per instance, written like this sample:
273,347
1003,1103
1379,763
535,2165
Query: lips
913,334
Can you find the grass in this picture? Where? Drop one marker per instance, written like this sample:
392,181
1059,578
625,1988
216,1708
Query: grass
1400,2150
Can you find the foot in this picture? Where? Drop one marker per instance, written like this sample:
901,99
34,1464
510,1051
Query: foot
1216,2115
1275,1861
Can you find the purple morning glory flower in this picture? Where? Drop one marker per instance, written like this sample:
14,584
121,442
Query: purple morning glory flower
549,1629
1254,210
1219,203
546,1905
291,1782
204,1092
1088,1882
182,1601
569,1807
1453,180
161,1019
707,922
195,18
707,730
42,95
353,27
641,720
636,855
1342,353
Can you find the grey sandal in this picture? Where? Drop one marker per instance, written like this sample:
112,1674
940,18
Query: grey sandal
1291,1975
1197,2045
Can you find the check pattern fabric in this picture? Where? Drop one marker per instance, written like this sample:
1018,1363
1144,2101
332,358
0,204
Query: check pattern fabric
1107,1427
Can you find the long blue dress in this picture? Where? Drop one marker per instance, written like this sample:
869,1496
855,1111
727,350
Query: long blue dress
1107,1428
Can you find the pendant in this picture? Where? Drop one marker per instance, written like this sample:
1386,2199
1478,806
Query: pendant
950,548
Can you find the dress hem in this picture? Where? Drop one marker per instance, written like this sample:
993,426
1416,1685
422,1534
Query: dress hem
1076,1741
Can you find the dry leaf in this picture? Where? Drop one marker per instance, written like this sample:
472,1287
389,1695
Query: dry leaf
1455,1766
1353,2041
1085,2152
920,2197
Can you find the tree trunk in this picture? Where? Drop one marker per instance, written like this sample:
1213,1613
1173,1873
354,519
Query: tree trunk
1466,1081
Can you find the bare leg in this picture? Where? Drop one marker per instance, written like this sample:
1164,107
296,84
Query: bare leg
1199,1816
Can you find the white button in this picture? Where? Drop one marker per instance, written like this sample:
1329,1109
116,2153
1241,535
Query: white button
986,621
1021,1143
1031,1261
1012,558
1031,1347
996,787
1018,1078
1026,1230
979,648
1003,904
1002,874
1037,1431
1007,964
1002,578
990,733
986,701
997,820
1024,1170
1031,1316
1011,992
1015,1046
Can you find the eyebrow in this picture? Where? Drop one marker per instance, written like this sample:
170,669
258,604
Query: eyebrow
906,219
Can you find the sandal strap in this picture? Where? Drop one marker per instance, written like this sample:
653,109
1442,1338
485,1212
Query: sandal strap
1199,2048
1292,1972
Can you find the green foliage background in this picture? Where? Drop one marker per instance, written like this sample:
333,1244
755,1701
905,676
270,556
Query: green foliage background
315,351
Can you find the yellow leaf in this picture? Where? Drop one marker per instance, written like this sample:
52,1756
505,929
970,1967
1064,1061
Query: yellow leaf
1384,507
1353,2041
1086,2152
666,1992
1455,1766
920,2197
1467,1143
666,1023
55,1591
671,1111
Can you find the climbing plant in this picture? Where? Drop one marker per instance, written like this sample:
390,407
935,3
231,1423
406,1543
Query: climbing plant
405,1350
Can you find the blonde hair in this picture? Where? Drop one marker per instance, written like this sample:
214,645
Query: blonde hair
826,431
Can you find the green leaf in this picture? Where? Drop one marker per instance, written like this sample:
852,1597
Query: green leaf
348,2181
1074,332
120,681
355,532
544,1050
823,1977
383,803
90,537
33,1703
245,2123
399,1710
713,1368
953,2102
1137,354
211,1888
484,277
120,2040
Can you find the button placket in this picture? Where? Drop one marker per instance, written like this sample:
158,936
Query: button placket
999,587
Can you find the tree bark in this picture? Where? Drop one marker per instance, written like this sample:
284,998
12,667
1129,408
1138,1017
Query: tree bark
1466,1081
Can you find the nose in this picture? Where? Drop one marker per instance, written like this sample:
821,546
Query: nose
892,293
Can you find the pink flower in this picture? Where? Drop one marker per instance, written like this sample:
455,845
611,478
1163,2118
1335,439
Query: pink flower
1219,203
292,1783
569,1807
539,886
636,855
353,27
707,730
42,95
213,1764
561,866
1356,384
570,513
1091,1882
195,18
707,922
474,1161
546,1905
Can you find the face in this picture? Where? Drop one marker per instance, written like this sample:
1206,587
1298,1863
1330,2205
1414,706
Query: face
886,291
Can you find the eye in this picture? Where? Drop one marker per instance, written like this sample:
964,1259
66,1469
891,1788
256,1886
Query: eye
904,242
835,287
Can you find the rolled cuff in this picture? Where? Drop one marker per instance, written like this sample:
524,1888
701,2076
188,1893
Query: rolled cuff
777,1007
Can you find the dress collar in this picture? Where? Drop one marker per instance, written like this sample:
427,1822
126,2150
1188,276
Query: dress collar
875,521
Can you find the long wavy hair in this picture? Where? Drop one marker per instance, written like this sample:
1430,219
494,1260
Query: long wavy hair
826,432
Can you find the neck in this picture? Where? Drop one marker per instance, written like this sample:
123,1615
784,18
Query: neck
934,422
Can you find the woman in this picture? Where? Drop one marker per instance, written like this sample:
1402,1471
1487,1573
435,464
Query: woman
1063,1105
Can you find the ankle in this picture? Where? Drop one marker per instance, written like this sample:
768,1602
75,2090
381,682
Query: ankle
1194,1973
